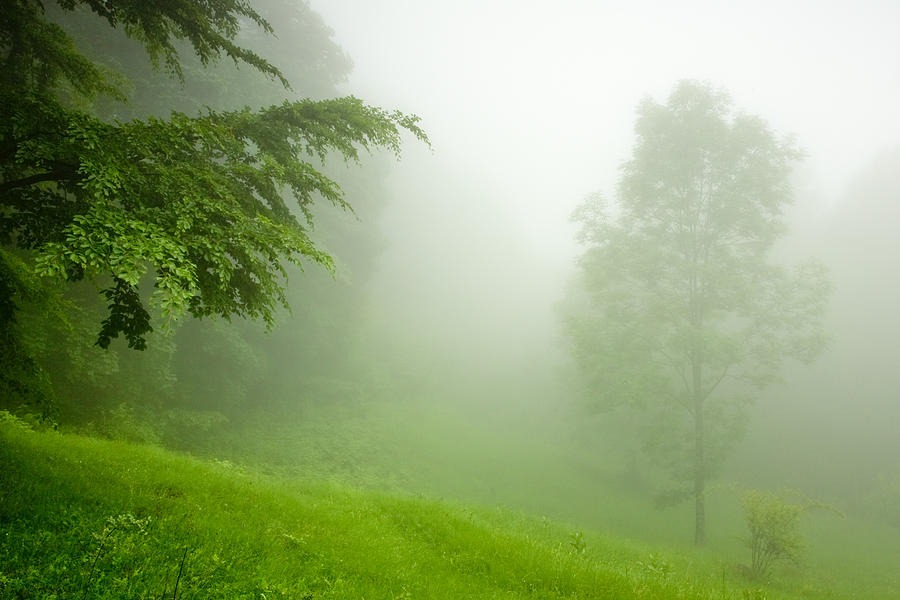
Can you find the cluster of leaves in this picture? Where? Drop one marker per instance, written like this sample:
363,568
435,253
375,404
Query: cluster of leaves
209,207
197,200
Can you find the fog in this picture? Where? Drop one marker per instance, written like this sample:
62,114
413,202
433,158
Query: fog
530,107
542,100
437,359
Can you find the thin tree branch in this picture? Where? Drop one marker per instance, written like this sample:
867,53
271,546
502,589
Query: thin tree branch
717,382
55,175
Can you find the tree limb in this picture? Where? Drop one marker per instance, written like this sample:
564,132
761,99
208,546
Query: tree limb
55,175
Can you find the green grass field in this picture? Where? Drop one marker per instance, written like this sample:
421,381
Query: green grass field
87,518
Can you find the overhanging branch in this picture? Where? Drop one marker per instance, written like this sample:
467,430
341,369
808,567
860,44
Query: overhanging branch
55,175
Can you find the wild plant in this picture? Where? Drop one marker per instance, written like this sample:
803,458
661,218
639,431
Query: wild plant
657,565
120,537
576,541
774,523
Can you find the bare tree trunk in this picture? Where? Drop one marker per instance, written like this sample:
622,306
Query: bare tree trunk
699,462
697,352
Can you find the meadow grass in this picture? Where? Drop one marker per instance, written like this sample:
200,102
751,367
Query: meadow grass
87,518
392,450
446,452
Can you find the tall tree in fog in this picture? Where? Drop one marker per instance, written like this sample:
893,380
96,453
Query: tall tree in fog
685,313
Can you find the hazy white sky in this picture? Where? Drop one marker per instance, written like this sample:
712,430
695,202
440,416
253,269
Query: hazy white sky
530,106
538,97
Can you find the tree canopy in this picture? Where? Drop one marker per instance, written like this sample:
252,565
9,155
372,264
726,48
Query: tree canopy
685,313
211,206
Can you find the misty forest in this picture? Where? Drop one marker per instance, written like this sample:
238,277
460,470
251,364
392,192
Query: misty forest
332,299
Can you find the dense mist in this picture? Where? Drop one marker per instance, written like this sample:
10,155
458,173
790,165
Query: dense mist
531,109
465,327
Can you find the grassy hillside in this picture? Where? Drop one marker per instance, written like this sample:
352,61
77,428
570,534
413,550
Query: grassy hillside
85,518
544,469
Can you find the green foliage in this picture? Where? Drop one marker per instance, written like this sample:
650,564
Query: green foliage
658,565
195,202
9,420
684,315
24,384
210,28
774,524
121,537
123,422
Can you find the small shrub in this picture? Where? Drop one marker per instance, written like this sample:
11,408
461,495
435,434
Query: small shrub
7,419
774,523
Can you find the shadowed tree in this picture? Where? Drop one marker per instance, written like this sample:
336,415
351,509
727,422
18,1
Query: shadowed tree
684,313
209,207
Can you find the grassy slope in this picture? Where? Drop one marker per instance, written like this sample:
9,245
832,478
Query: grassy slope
84,518
446,453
